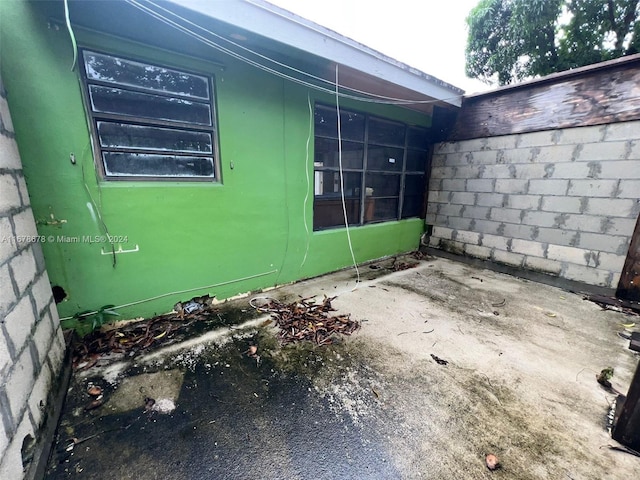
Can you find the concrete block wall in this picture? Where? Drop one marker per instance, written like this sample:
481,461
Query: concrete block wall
562,202
31,342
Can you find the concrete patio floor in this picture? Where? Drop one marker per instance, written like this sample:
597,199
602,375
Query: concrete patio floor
520,383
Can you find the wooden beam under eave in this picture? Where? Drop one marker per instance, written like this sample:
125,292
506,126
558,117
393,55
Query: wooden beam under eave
595,96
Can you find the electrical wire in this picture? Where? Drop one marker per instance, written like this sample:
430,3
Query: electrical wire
375,98
240,46
310,25
269,59
71,34
306,171
97,206
99,215
371,98
225,50
335,92
344,203
178,292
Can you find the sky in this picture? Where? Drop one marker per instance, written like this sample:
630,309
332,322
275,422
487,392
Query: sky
429,35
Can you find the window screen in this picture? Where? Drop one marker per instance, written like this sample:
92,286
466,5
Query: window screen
384,165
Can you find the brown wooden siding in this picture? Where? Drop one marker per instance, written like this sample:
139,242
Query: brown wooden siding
594,95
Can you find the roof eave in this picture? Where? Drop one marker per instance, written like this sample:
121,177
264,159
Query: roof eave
267,20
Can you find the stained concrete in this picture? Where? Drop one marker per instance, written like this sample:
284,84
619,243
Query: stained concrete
519,383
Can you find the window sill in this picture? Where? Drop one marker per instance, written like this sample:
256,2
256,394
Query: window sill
158,183
372,225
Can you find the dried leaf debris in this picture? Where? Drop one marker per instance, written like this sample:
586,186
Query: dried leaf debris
399,266
134,337
307,320
439,360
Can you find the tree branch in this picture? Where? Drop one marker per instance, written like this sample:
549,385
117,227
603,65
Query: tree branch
612,14
622,29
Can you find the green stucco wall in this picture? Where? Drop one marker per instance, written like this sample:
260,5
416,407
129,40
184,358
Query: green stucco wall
189,235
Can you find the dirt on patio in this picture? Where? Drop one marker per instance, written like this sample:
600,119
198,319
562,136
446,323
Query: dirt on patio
451,363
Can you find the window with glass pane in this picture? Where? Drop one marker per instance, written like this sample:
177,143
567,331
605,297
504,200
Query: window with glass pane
328,188
384,165
416,167
413,200
150,121
327,201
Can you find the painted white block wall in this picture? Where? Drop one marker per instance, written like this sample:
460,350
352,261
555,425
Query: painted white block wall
562,202
31,341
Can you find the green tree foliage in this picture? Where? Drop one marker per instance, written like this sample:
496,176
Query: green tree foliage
511,40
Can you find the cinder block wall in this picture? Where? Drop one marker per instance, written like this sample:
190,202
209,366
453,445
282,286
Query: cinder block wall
31,340
562,202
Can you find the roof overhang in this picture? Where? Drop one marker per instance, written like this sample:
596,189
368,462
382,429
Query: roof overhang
268,20
259,26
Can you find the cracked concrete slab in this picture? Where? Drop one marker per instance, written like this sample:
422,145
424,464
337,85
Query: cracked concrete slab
519,382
